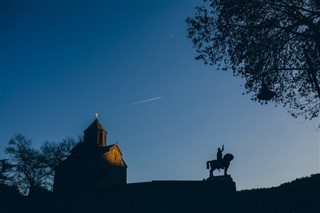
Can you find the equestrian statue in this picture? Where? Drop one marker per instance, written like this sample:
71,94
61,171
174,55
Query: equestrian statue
220,162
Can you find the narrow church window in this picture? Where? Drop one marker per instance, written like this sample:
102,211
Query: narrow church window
103,139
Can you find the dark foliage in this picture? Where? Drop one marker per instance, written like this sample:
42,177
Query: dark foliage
274,45
30,169
5,169
54,153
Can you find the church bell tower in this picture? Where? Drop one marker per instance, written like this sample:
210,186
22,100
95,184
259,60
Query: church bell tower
95,134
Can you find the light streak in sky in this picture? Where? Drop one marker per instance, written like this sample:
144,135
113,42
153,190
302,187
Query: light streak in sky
143,101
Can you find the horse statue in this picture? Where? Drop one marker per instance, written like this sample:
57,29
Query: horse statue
223,164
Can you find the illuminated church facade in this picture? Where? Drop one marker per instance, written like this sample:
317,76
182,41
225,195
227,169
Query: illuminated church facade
92,163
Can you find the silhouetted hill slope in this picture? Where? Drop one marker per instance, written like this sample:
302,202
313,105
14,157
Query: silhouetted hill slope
300,195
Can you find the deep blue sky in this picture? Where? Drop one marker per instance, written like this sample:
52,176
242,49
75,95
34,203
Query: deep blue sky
63,61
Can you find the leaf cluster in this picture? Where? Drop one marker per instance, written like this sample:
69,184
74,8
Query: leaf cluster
266,42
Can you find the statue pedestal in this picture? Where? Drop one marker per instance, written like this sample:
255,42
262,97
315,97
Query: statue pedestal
221,178
222,184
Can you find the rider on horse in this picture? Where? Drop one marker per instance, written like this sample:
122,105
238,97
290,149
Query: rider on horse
219,154
220,162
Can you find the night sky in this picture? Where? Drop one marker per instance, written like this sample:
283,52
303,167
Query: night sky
131,61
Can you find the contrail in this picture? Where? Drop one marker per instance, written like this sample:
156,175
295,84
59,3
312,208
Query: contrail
143,101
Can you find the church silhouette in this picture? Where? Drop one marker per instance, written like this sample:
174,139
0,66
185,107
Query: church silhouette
92,163
93,178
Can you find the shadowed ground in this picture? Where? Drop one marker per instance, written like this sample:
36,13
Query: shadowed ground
301,195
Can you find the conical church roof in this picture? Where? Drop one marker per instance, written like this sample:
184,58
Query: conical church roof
95,134
94,126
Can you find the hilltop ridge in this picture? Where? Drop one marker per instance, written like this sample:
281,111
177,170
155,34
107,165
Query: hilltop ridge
299,195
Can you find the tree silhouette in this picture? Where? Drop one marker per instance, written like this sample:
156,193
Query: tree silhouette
34,169
28,164
54,153
274,45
